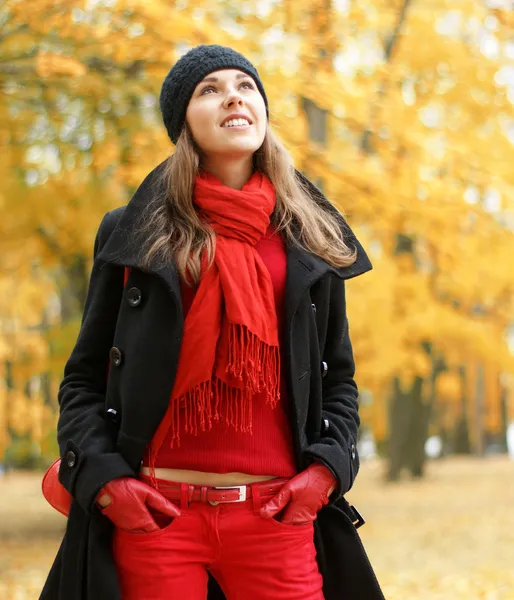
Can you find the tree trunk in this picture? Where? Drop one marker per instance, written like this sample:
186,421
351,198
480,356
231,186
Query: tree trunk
461,443
479,411
408,424
397,425
418,430
504,413
9,385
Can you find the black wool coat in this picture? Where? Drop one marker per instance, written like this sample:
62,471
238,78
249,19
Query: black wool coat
105,423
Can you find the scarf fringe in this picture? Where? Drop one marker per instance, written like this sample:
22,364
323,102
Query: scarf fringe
255,364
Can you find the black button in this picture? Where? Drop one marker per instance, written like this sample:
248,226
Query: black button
71,458
113,414
324,369
313,306
354,454
326,425
134,296
115,356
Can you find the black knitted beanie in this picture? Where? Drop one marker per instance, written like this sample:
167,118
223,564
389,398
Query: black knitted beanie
187,73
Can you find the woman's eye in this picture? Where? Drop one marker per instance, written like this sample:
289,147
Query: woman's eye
247,84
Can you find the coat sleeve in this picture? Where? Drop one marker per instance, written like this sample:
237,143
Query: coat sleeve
337,445
87,447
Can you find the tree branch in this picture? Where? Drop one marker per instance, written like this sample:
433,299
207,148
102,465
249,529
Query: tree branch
390,46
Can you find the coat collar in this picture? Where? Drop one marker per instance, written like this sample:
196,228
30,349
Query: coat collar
122,249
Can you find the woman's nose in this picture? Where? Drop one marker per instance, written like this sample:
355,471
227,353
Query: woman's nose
233,99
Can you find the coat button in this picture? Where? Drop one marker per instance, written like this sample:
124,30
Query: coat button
313,306
71,458
134,297
354,454
113,414
324,369
326,425
115,356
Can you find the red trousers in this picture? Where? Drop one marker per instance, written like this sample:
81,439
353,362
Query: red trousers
250,557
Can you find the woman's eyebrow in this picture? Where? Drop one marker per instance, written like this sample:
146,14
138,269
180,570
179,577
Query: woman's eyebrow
214,79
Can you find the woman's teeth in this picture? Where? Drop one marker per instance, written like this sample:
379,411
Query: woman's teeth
236,123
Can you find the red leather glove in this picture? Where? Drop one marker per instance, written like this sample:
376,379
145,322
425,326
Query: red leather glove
302,496
130,503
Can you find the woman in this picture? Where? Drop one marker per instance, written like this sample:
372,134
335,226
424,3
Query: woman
215,458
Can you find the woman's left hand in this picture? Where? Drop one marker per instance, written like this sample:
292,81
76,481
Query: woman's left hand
302,496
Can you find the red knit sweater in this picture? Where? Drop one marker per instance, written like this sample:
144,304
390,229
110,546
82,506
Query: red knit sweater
269,450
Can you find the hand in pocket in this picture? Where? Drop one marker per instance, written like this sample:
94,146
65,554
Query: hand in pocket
131,503
300,499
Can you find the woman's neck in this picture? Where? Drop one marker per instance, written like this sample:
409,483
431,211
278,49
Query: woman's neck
232,173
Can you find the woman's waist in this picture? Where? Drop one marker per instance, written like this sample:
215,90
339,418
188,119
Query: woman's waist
203,478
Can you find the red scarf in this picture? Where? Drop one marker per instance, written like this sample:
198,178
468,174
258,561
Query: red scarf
230,347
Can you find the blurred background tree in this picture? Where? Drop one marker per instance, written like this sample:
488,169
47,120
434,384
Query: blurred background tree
401,111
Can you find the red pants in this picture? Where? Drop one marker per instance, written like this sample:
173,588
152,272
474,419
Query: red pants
250,557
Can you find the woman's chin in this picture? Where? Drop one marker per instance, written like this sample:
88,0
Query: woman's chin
238,147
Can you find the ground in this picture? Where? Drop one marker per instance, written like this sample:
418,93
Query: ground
447,537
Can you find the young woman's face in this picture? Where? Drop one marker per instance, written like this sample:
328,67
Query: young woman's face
227,114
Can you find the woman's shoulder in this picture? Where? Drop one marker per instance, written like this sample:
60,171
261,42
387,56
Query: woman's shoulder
107,226
111,218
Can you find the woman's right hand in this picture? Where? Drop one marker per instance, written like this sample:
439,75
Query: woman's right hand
130,500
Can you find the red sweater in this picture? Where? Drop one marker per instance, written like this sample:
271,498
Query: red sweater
269,450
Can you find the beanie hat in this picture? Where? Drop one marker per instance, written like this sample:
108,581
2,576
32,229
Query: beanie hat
186,74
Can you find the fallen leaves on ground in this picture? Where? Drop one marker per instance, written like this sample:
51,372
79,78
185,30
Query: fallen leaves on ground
449,536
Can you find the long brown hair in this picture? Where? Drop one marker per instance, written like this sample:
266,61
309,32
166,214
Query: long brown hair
172,228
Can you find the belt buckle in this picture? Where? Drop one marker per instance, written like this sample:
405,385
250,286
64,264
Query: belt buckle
242,494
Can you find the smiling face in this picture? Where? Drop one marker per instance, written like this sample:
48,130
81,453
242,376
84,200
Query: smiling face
227,114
